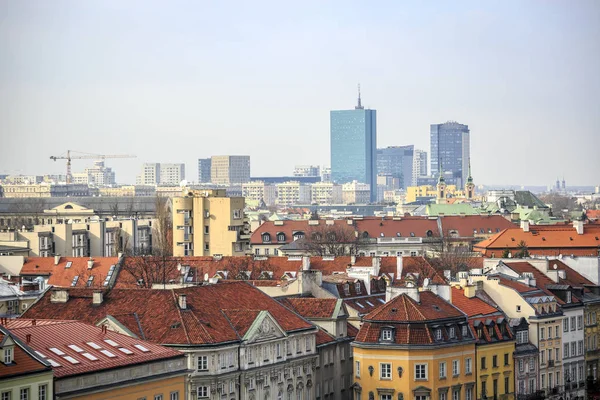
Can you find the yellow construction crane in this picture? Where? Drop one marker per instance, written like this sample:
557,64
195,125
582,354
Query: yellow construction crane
85,156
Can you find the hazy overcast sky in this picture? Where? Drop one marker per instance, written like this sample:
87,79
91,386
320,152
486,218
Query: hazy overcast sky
173,81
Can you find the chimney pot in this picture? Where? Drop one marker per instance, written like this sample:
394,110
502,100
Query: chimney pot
28,338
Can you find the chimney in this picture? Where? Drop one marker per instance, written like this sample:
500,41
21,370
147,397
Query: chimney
562,274
56,259
305,263
59,296
376,263
470,291
120,254
463,278
182,301
352,260
578,225
399,266
28,338
104,329
97,298
447,274
33,322
525,226
90,263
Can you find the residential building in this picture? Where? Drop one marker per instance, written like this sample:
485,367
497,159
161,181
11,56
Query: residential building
230,170
419,166
15,298
526,363
354,146
128,191
494,343
397,162
24,374
326,174
450,151
45,190
91,362
579,239
291,193
413,193
98,175
172,174
207,223
204,170
325,193
415,346
307,170
356,193
258,191
150,174
239,342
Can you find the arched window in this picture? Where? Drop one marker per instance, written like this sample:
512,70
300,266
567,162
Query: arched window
266,237
281,237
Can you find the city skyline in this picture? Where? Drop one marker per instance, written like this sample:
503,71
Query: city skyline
70,77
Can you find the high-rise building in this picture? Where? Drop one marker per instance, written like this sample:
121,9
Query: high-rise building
99,175
204,170
230,170
150,174
450,146
258,191
307,170
292,193
396,162
208,223
354,146
172,174
419,166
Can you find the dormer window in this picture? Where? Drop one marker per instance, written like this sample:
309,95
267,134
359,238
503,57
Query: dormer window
491,331
266,238
357,287
281,237
298,235
451,332
8,355
465,331
438,334
386,334
346,289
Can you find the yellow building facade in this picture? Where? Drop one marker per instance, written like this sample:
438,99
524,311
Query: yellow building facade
207,223
412,192
170,388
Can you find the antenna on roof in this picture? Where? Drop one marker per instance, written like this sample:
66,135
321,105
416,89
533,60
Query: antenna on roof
359,106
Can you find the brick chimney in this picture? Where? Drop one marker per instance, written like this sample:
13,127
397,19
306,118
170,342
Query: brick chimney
97,298
59,296
305,263
399,267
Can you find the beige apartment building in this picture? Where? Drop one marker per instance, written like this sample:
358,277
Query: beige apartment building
290,193
230,170
44,190
207,223
128,191
325,193
258,190
356,193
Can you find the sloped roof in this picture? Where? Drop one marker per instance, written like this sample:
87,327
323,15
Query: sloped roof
311,307
467,226
203,322
61,335
405,309
25,361
528,199
62,276
473,306
518,286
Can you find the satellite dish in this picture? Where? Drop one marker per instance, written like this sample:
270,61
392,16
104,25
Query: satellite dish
426,282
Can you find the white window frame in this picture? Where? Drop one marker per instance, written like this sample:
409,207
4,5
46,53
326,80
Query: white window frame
385,371
204,363
418,373
442,368
468,365
455,367
202,392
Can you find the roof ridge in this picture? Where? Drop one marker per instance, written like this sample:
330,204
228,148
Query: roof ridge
231,324
416,308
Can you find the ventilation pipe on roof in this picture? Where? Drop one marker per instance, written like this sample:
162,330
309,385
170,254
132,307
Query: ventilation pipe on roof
525,226
56,259
28,338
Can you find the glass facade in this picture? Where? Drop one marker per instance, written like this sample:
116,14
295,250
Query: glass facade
397,162
354,146
450,145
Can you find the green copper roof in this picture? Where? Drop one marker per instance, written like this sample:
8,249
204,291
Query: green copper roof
451,209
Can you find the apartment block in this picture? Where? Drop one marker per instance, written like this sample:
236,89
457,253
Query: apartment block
204,167
307,170
290,193
207,223
325,193
172,174
230,170
356,193
150,174
258,191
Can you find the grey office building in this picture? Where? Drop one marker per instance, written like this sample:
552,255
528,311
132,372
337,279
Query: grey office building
397,162
204,170
354,146
450,146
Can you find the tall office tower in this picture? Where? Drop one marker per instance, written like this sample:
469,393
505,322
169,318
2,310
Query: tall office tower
172,174
230,170
450,145
354,146
307,170
396,162
203,170
419,166
150,174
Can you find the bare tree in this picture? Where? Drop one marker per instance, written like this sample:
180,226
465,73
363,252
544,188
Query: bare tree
148,270
451,253
245,268
162,238
331,240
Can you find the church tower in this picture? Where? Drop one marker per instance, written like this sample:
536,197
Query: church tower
441,188
470,186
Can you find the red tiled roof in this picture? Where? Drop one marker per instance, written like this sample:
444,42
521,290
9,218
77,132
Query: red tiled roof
404,309
61,335
593,214
573,277
518,286
201,323
467,225
352,330
544,240
471,306
12,323
323,337
62,276
365,304
310,307
23,362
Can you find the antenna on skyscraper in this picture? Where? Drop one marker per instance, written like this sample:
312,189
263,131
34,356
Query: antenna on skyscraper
359,106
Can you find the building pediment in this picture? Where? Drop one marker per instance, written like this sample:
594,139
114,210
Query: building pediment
69,208
264,328
113,324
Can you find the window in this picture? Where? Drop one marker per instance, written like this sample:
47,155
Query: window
483,366
278,350
357,369
522,337
580,347
495,361
308,344
8,355
543,333
24,394
451,332
455,367
469,394
202,363
158,397
250,355
531,386
386,334
572,323
566,325
518,308
556,332
543,381
495,388
6,395
442,370
43,392
542,357
506,362
174,395
357,287
385,371
438,334
550,385
557,354
443,396
468,366
420,371
521,366
566,350
385,397
465,331
573,349
456,395
202,392
506,385
579,322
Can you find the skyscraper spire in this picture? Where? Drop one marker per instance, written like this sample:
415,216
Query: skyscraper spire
359,106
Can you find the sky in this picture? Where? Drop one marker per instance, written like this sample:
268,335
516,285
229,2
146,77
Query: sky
174,81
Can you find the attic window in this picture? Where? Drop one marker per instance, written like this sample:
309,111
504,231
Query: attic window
266,238
357,287
386,334
382,234
475,231
346,289
451,332
68,264
68,207
90,281
75,279
429,233
8,355
298,235
438,334
281,237
465,331
489,230
482,230
175,325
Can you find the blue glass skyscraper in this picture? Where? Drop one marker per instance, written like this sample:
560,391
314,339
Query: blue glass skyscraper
354,146
450,152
